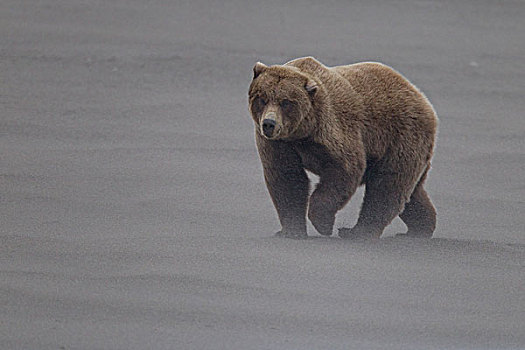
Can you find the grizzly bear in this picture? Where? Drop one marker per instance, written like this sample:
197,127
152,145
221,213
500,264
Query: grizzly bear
352,125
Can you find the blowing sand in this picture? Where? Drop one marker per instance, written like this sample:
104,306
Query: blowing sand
133,209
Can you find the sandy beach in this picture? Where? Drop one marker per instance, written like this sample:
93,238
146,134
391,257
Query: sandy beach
133,210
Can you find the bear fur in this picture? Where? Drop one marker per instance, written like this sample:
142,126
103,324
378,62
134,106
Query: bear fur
359,124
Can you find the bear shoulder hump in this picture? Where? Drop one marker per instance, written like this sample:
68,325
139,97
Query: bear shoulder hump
306,64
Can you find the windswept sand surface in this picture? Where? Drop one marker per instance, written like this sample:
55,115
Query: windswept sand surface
133,213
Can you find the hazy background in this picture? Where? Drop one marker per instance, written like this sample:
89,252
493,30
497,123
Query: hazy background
134,215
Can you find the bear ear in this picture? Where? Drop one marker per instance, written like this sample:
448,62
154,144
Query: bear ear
258,69
311,87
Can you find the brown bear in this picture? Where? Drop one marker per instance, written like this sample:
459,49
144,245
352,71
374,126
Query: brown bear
359,124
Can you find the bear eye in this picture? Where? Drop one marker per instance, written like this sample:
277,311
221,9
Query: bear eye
259,103
286,104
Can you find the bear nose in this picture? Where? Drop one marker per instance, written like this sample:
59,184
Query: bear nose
268,126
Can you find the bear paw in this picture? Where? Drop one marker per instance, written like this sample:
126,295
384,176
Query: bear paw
419,233
358,233
322,221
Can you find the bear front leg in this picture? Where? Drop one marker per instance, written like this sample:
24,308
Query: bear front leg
334,190
287,184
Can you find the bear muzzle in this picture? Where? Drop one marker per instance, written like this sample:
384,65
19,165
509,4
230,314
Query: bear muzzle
269,126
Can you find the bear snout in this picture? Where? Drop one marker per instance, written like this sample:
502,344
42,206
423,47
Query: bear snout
268,127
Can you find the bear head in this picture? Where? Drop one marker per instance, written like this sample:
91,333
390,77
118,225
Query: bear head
281,101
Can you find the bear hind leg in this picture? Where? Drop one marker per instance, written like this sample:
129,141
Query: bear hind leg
419,214
383,201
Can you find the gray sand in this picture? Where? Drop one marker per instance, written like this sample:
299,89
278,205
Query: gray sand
133,209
